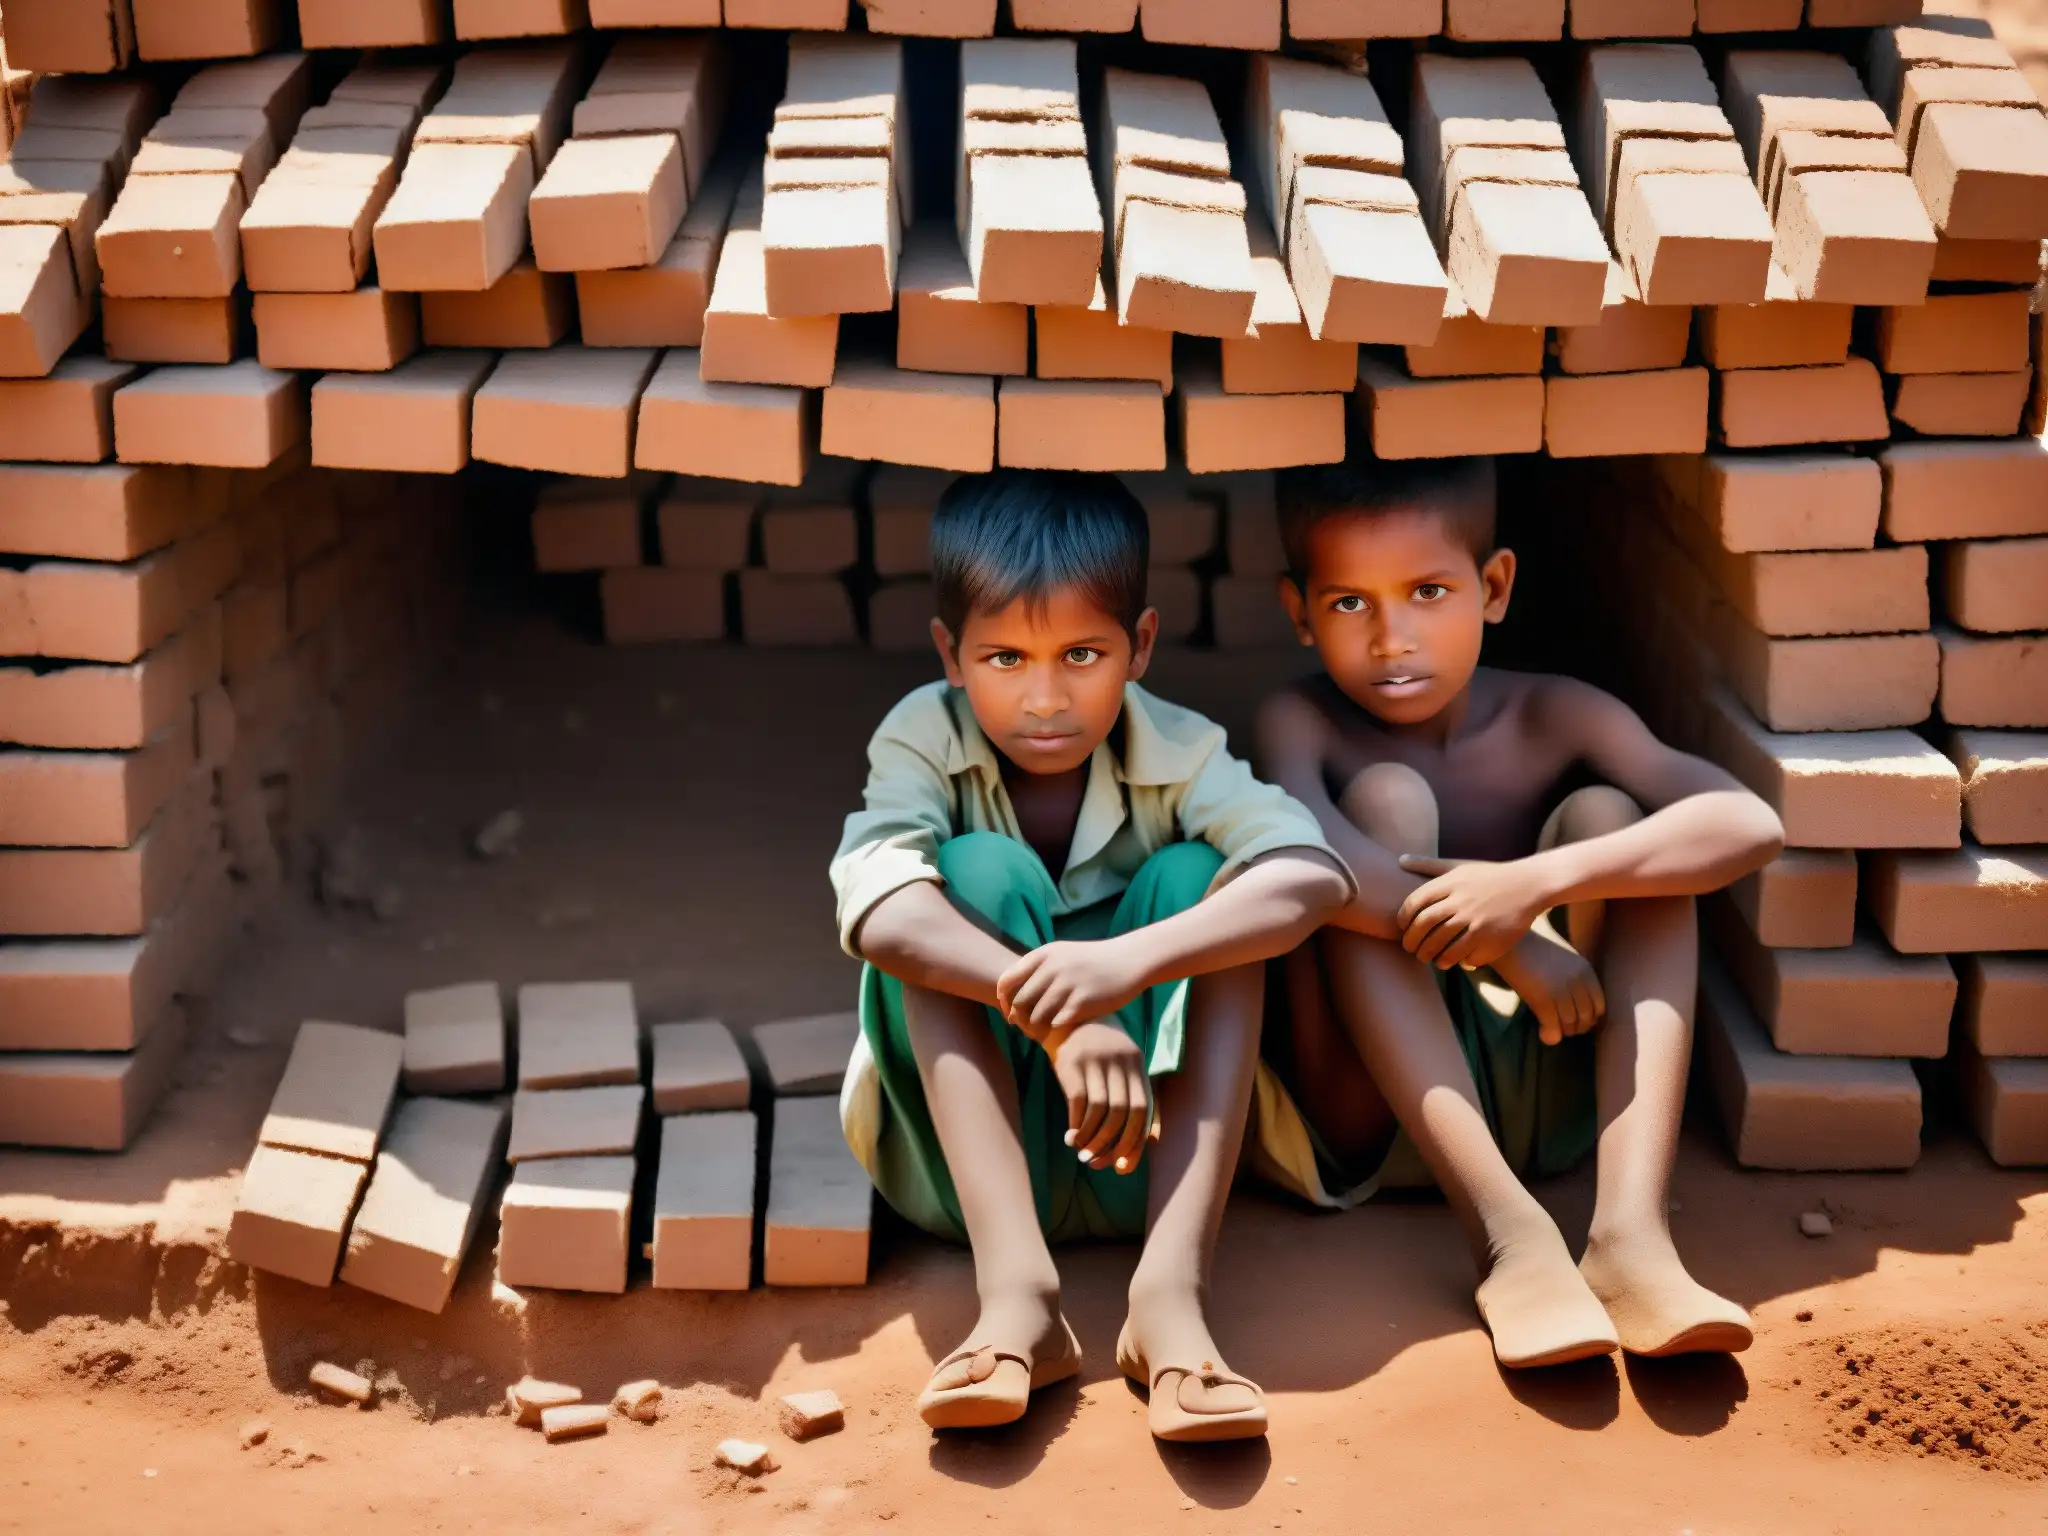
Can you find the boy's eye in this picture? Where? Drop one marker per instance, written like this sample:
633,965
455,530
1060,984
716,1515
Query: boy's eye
1349,605
1083,656
1006,661
1430,591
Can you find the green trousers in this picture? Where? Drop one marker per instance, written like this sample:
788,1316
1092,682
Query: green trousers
1007,884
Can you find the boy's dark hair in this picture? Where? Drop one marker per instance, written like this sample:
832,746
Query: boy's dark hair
1459,491
1027,532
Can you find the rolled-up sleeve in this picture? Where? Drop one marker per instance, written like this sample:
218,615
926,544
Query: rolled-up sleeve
1243,818
907,812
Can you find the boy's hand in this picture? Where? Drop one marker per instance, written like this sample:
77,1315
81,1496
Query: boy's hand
1109,1099
1068,983
1470,913
1557,982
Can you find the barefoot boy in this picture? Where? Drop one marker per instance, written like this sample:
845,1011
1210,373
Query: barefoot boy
1064,890
1452,791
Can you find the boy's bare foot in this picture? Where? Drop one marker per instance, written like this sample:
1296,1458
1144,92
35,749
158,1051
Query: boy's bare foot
1166,1348
1659,1309
1018,1346
1539,1308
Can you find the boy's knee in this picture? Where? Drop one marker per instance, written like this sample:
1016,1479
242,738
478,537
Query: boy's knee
1593,812
1394,806
983,869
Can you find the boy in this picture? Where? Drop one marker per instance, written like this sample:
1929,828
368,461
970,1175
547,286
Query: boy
1064,890
1444,785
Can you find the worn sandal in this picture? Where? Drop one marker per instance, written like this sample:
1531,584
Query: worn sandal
1185,1415
992,1396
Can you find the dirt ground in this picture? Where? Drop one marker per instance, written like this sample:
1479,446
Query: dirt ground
677,836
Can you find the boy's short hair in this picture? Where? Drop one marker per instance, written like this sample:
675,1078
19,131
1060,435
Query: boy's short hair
1025,533
1459,491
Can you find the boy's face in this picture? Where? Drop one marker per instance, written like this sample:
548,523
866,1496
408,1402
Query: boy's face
1397,606
1046,680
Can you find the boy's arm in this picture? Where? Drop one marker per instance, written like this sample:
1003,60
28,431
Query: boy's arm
918,936
1704,831
1293,741
1271,907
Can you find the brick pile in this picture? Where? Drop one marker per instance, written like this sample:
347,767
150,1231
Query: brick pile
352,1178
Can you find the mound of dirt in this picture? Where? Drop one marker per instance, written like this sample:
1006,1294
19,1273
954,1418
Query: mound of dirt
1976,1394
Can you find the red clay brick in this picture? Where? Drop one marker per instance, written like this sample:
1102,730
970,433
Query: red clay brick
1760,502
337,1091
704,1202
1348,20
653,604
796,610
368,331
2001,680
809,540
455,1039
1468,347
1605,414
1996,586
1966,901
938,420
571,410
1421,419
415,418
2005,785
1805,898
175,330
66,417
1631,336
1956,333
941,327
2004,1007
819,1200
586,534
424,1202
1965,490
1223,431
758,432
564,1224
93,1102
1091,344
242,416
1980,171
1784,331
1079,424
1961,404
1251,24
2008,1104
1836,683
1783,407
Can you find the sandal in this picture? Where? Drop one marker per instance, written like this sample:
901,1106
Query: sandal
991,1396
1184,1416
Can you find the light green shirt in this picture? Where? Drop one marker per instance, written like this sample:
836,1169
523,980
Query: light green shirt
933,776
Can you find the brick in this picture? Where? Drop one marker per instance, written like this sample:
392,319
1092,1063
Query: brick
1805,898
255,628
564,1223
1803,1113
937,420
704,1203
107,892
1362,262
1630,336
1349,20
98,708
1961,404
1032,227
1987,261
698,1067
424,1201
900,615
211,29
1527,254
1828,592
810,540
1994,680
366,331
2005,785
1759,502
1072,15
807,1056
1786,407
2008,1104
173,237
1252,24
575,1122
819,1200
807,1415
608,203
570,410
1505,21
1956,333
1862,789
586,534
415,418
1281,357
242,416
2001,1012
831,248
1468,347
664,304
752,432
1183,268
1838,683
65,35
110,512
743,342
1784,331
1997,586
518,18
336,1092
371,23
293,1212
1966,900
310,226
578,1035
646,606
89,799
1626,413
1855,237
705,532
796,610
455,1039
1693,239
67,417
1980,171
1091,343
1750,15
525,308
1632,18
1224,431
1857,1000
457,219
91,994
1965,490
174,330
941,326
1438,418
527,1399
1080,424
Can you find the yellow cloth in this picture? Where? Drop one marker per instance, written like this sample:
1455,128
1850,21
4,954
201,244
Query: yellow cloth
933,776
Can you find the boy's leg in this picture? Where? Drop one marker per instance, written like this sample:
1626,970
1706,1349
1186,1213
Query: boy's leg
1647,952
1534,1300
1202,1107
970,1090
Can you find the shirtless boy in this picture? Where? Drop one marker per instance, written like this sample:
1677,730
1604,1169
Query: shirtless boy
1442,1013
1064,889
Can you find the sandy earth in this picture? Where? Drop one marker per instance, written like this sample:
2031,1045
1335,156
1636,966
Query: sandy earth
131,1358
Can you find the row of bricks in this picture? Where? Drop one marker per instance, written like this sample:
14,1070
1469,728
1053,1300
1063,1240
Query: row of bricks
102,35
1811,1113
